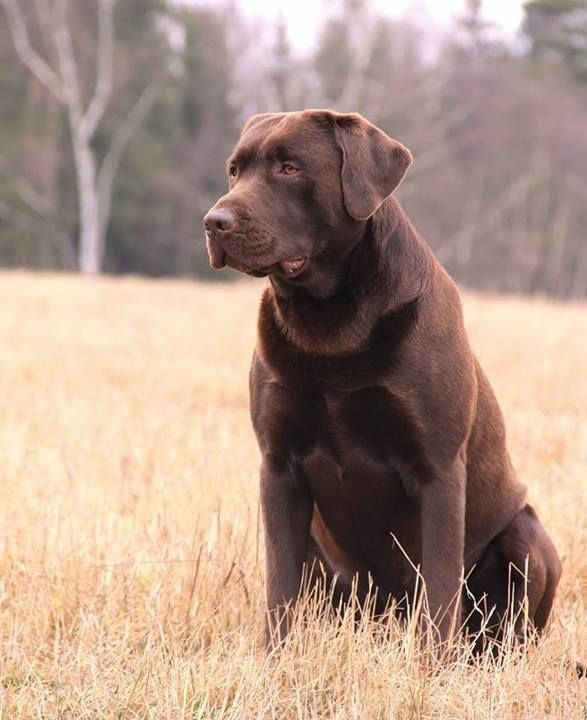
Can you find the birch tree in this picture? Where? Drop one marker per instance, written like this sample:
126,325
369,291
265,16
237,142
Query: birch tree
61,76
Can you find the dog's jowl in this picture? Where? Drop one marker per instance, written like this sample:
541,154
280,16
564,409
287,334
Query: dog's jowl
383,446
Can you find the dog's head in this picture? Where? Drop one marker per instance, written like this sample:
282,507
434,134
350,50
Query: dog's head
301,187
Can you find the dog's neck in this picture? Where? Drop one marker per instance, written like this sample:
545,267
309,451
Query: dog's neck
388,268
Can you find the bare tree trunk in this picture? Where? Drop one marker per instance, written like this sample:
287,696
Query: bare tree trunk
94,186
83,125
89,251
579,284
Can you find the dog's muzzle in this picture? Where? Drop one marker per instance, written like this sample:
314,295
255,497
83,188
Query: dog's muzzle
217,223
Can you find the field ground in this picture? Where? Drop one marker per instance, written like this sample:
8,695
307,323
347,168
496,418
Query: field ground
131,572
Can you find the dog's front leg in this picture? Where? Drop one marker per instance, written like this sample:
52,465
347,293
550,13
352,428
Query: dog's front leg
287,515
442,505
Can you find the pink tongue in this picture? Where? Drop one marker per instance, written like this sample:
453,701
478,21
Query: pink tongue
215,253
291,266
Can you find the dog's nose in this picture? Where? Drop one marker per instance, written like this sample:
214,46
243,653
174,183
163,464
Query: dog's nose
219,220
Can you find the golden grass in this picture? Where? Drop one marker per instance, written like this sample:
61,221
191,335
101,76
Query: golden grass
131,557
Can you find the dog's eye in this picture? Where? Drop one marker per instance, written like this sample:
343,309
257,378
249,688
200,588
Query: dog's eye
288,169
233,171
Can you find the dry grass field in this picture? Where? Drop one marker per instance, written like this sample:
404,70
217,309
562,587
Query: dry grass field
131,553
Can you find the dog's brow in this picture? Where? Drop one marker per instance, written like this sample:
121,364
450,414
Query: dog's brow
281,152
242,156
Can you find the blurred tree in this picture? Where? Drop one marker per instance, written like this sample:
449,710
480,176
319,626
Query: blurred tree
282,63
344,53
175,170
31,161
333,59
62,73
497,130
557,30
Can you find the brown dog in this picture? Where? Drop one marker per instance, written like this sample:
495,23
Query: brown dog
376,424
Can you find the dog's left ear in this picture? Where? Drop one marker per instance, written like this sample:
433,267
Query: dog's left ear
373,164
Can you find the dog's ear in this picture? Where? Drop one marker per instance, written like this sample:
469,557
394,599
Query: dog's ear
373,164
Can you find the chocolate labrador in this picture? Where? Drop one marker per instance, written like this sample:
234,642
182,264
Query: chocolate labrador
383,447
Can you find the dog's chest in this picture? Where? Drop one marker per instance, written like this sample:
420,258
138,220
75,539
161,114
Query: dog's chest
369,426
356,445
355,466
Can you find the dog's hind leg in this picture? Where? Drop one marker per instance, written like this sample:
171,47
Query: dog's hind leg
515,579
526,545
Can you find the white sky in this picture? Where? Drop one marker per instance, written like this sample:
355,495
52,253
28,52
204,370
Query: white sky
303,17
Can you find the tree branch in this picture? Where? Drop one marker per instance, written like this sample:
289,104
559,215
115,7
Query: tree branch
43,13
31,59
103,90
45,20
10,215
72,93
119,142
32,198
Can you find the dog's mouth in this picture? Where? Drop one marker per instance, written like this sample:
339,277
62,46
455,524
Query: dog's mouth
289,268
294,267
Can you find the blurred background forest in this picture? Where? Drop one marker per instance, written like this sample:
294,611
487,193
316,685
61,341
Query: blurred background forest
116,118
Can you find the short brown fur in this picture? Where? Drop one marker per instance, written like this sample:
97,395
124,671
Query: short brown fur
376,423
